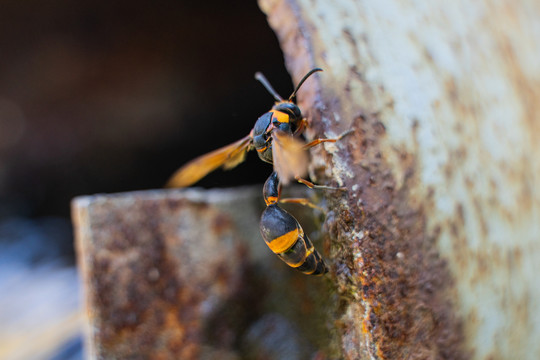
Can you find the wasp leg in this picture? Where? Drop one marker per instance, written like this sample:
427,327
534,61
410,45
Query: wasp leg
315,142
333,140
311,185
301,201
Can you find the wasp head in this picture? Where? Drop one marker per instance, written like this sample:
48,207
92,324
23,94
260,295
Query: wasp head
291,109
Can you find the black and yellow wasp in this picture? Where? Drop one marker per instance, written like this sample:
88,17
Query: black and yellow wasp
275,136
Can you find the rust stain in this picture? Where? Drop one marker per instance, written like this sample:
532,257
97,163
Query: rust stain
169,275
405,283
394,287
138,300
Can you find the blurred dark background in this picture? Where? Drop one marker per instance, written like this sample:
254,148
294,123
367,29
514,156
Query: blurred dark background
115,96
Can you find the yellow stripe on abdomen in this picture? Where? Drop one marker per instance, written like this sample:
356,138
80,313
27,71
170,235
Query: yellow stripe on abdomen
284,242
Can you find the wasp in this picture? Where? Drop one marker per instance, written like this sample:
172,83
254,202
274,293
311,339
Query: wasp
275,137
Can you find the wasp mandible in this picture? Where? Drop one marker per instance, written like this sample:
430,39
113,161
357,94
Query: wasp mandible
275,137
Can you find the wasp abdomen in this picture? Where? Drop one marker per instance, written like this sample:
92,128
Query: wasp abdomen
285,237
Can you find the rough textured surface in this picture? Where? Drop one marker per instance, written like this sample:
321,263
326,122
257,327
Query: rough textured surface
186,275
437,248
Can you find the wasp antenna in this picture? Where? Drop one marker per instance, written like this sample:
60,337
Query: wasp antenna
311,72
259,76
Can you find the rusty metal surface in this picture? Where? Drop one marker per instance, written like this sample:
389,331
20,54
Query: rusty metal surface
186,275
437,249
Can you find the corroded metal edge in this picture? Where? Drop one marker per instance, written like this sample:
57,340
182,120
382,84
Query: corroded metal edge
394,287
185,274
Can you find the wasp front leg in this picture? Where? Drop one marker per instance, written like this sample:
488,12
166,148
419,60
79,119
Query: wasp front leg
301,201
332,140
313,143
311,185
284,235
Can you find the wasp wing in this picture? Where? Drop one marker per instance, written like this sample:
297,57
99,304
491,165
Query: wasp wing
227,157
289,156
